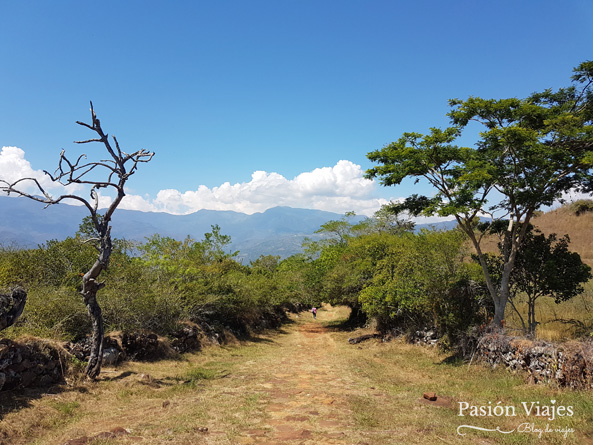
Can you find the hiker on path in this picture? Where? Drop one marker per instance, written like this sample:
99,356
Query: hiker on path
314,312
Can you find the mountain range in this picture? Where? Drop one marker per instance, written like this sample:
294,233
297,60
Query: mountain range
277,231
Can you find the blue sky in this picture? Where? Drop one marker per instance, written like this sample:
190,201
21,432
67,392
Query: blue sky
282,100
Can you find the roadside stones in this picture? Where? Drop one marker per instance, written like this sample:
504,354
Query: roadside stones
110,356
33,363
568,364
427,336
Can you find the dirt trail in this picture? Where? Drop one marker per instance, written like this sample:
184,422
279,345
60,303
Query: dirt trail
305,391
303,384
283,387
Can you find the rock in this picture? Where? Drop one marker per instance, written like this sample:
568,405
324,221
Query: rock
120,431
27,378
430,396
46,380
110,356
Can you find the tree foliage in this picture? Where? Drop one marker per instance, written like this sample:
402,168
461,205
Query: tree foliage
545,267
531,151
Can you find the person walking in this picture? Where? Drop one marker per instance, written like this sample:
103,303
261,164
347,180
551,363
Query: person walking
314,312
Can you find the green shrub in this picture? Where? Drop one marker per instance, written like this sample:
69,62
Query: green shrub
582,206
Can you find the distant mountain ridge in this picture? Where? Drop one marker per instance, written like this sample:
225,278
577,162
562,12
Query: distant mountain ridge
277,231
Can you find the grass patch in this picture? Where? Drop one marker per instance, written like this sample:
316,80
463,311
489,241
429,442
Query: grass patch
68,409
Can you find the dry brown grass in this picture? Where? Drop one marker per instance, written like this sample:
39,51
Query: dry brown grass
571,319
564,221
305,385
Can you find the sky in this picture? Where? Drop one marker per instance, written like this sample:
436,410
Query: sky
251,104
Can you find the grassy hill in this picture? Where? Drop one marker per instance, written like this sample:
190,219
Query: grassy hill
576,221
573,318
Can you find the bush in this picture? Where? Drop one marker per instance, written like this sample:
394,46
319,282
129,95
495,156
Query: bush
582,206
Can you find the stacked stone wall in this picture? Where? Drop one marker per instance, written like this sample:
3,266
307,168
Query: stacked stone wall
567,364
32,362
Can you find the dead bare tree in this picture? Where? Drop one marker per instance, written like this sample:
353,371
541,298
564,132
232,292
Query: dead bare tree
118,169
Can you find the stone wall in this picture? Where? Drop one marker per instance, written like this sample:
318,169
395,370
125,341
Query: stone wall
32,362
567,364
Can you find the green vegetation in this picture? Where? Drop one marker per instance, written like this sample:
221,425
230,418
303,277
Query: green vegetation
379,268
545,267
530,153
582,206
152,286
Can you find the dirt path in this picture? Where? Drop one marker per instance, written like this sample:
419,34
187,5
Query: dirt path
305,391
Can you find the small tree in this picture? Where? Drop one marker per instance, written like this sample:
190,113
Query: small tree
545,267
117,169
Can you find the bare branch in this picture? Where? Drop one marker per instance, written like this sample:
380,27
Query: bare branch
87,141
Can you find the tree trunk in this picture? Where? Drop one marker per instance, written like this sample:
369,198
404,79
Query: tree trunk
94,366
525,327
531,317
90,287
502,297
499,297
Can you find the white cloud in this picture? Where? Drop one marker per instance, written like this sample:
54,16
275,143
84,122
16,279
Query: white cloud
573,196
340,189
14,166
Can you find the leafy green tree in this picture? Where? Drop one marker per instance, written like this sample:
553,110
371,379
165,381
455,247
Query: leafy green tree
215,246
265,264
546,267
295,276
424,280
388,219
531,151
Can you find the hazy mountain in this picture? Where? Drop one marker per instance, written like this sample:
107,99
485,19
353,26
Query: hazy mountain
277,231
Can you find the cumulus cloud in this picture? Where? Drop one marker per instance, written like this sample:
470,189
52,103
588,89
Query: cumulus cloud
573,195
340,189
14,166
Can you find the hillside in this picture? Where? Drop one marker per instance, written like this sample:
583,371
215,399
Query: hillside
565,221
562,221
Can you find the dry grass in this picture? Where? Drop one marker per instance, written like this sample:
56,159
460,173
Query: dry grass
564,221
558,322
574,318
306,385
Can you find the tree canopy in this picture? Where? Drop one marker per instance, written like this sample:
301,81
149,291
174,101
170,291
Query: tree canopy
531,151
